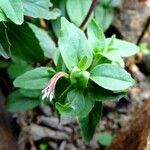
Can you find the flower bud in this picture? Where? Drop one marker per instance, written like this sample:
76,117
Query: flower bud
79,78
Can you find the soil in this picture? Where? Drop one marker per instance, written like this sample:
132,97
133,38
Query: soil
40,126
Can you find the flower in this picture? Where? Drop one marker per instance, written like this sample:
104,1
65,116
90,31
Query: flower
49,91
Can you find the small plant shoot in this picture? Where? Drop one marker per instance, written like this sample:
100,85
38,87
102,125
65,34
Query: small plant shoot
93,72
84,68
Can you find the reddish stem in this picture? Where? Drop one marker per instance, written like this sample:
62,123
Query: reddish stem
88,14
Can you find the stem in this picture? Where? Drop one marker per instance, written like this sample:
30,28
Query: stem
96,60
88,14
144,31
64,93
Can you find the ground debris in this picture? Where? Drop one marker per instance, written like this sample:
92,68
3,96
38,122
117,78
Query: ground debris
136,134
53,122
38,132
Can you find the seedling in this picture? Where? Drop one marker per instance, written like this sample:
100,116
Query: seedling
88,71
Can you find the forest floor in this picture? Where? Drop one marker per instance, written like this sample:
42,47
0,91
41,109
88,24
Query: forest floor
40,127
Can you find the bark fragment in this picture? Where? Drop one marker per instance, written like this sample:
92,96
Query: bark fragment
136,134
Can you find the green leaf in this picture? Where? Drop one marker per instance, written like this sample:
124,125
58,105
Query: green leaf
35,79
3,16
122,48
101,94
89,123
89,104
61,5
4,42
75,97
111,77
104,16
3,52
17,68
112,3
56,57
75,104
115,58
39,9
82,62
77,47
24,43
96,36
105,138
43,146
17,102
60,66
116,49
109,53
78,104
65,110
46,43
8,7
4,63
77,10
30,93
56,23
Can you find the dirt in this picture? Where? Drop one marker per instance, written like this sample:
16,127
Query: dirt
41,126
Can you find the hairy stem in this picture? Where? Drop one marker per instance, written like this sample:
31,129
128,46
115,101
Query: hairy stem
88,14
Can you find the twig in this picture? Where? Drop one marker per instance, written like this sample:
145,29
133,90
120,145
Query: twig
144,31
88,14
